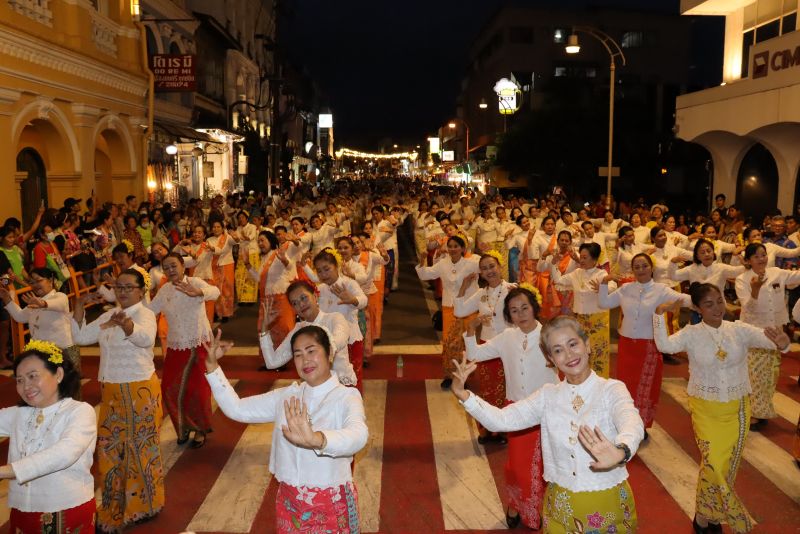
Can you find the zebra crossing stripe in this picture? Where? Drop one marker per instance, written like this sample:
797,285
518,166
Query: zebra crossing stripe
369,461
237,494
467,488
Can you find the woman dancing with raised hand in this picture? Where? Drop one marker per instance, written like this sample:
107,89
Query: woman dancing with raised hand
51,444
185,394
516,348
719,400
590,430
452,271
639,363
319,427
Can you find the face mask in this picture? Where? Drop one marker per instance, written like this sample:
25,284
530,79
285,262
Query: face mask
50,236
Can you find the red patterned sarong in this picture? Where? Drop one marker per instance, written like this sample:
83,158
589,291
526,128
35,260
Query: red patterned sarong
640,367
184,390
524,474
77,519
314,510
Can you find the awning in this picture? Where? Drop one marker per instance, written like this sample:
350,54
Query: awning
183,134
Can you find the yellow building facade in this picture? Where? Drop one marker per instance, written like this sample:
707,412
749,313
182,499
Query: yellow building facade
73,104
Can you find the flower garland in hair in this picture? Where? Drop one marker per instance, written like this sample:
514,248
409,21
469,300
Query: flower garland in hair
128,245
336,256
54,354
496,255
535,292
145,277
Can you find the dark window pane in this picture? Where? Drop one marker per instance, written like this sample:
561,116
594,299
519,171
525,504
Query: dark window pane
789,23
767,31
747,42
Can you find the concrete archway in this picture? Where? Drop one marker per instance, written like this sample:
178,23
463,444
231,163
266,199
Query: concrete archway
114,158
757,183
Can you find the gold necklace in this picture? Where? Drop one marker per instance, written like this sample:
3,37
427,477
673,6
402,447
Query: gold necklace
577,403
721,353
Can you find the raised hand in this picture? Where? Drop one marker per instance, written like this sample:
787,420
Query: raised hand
756,282
460,375
215,349
31,300
298,425
605,453
344,295
594,285
188,289
777,336
674,306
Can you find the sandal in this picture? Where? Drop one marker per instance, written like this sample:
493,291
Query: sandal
197,443
183,439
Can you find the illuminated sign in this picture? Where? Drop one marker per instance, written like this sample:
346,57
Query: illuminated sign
173,72
434,146
325,120
507,92
448,155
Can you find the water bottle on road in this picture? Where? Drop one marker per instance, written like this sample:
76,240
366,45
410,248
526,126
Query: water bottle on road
399,367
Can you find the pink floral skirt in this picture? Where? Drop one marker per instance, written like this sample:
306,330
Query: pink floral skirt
315,510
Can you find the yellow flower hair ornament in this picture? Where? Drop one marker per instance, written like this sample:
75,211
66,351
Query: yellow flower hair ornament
335,253
496,255
128,245
533,290
54,354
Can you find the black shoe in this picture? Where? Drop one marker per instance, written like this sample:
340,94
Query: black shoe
797,463
446,383
378,342
365,364
263,368
758,425
197,443
697,528
646,436
224,320
714,528
512,521
501,439
669,359
483,440
183,439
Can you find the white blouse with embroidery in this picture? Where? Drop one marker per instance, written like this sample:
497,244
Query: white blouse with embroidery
452,275
717,356
186,316
486,301
606,404
52,462
525,366
335,410
336,324
769,309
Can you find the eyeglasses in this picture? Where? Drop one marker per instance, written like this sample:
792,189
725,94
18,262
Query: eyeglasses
125,289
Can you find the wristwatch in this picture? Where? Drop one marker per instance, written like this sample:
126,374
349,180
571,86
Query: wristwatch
624,448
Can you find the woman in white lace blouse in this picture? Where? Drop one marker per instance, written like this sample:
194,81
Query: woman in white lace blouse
719,400
319,426
590,430
184,390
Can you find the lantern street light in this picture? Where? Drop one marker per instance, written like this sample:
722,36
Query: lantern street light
614,52
483,104
452,126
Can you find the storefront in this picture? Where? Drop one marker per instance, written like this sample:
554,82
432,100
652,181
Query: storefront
751,123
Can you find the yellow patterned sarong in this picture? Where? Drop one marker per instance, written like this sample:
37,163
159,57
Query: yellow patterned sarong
607,511
720,429
131,474
764,366
596,327
246,287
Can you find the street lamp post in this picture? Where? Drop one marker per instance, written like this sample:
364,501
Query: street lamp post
614,52
452,126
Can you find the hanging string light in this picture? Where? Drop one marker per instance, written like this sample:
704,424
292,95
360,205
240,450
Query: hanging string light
349,153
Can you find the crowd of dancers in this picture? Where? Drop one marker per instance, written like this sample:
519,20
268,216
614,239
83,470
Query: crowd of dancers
526,290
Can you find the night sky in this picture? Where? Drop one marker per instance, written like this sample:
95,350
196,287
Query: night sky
392,69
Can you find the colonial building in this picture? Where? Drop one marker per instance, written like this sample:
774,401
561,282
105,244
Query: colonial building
72,103
751,123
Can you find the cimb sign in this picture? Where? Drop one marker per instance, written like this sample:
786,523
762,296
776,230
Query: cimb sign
766,61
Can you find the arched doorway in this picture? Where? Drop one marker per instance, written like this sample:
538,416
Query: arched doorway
757,184
34,187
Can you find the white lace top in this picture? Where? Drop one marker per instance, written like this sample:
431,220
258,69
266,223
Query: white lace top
224,251
486,301
329,302
52,462
53,323
606,404
275,357
710,377
452,275
279,276
122,358
769,309
186,316
525,368
335,410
